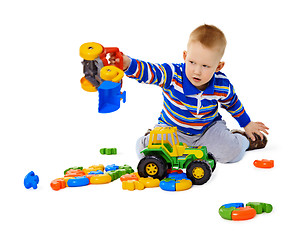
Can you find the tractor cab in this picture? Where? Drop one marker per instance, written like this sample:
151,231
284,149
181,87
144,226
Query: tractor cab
167,139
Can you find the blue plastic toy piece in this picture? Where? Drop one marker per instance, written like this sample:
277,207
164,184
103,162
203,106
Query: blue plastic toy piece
111,167
78,181
31,180
177,176
110,96
236,205
96,172
168,184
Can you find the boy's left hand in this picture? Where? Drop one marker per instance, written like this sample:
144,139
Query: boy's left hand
255,127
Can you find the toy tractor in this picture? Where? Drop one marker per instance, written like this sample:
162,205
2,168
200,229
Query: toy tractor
165,151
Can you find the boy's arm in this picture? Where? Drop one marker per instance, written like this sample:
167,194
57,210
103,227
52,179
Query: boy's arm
234,106
145,72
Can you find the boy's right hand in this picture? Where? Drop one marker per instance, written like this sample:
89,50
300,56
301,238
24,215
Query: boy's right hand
113,60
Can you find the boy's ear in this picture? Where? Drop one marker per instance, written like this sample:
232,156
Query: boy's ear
220,66
184,55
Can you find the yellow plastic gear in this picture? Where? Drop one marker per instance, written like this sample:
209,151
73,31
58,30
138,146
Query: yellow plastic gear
90,50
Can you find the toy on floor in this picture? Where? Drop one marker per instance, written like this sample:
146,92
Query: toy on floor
264,163
134,181
108,151
237,211
79,176
100,76
31,180
162,152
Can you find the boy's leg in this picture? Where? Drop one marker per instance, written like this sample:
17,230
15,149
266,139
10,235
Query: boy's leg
223,144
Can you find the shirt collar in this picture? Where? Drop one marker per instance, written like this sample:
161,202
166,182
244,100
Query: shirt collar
190,89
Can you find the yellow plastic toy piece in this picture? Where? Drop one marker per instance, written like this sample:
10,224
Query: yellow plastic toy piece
93,168
90,51
87,86
131,185
150,182
100,179
111,73
183,185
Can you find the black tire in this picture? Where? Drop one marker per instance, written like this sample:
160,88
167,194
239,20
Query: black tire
211,156
199,172
152,166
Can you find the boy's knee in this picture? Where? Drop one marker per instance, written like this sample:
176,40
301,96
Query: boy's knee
231,152
141,143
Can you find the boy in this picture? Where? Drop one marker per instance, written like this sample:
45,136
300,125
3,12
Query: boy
192,92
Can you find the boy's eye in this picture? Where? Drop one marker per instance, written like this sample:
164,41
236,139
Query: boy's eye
192,62
205,66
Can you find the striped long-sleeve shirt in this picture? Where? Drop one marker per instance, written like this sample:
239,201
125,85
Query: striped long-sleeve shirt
186,107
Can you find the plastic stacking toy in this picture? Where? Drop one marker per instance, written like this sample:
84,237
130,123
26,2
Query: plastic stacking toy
31,180
237,211
100,76
110,90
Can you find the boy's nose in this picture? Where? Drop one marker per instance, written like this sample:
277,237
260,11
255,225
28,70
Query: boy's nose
197,71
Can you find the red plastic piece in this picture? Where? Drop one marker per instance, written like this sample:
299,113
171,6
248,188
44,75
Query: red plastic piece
127,177
75,173
116,53
264,163
243,213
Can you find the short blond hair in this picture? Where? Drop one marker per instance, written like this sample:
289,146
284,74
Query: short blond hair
209,36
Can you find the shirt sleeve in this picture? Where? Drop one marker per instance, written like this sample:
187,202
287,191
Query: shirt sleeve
148,73
234,106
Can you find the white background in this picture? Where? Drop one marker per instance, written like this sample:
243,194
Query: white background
48,123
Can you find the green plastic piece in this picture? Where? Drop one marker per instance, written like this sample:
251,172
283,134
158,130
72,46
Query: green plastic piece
125,169
108,151
260,207
74,168
226,212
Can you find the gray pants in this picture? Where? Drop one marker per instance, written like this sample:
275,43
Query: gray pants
225,146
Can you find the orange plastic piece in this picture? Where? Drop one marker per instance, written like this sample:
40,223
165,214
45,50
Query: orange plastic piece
58,184
129,177
243,213
74,173
87,86
264,163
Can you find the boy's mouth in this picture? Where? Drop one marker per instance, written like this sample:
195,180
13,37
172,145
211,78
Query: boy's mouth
196,79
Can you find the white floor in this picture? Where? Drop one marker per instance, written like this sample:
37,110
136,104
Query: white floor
48,123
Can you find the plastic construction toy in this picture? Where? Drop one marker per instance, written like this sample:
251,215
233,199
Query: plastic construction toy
108,151
100,76
31,180
237,211
134,181
175,182
79,176
162,152
264,163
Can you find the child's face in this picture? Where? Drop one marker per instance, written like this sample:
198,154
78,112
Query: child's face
201,63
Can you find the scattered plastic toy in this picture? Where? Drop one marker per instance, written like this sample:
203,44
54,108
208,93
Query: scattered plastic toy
108,151
78,176
264,163
237,211
176,181
111,167
31,180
